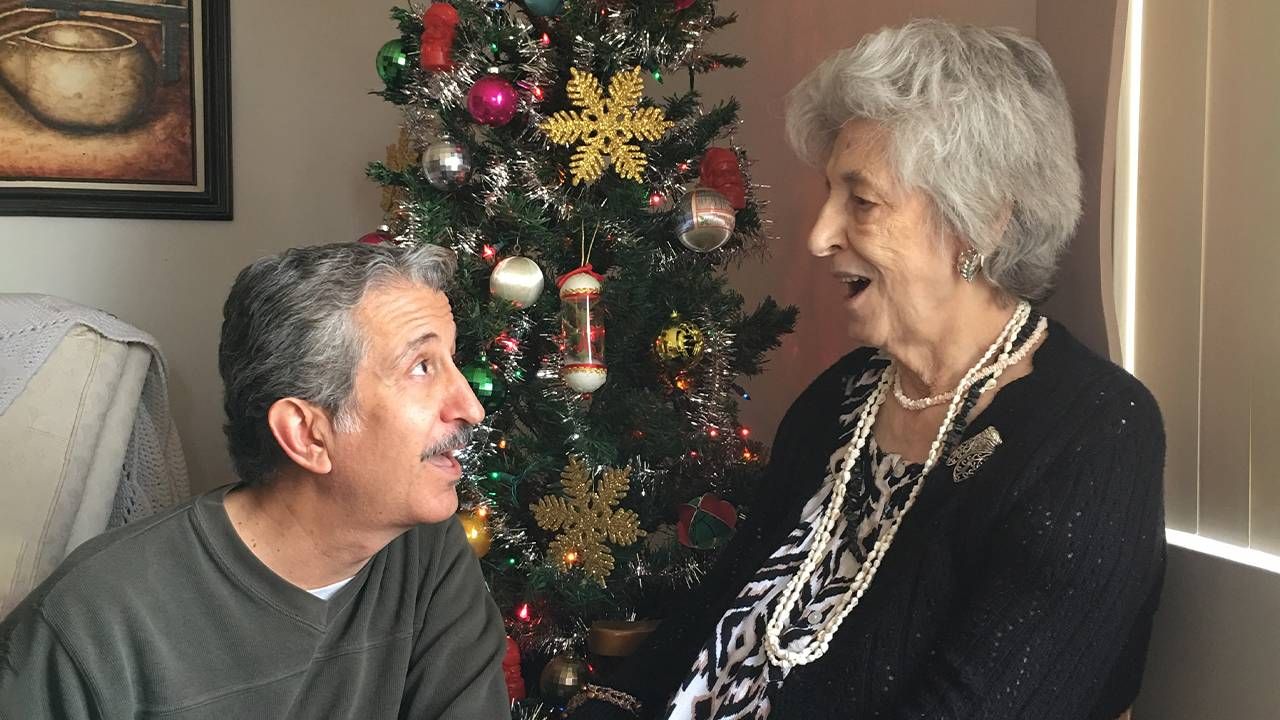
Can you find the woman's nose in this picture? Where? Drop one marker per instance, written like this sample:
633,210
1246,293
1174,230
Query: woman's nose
827,234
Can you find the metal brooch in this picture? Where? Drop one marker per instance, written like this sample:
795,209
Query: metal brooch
970,454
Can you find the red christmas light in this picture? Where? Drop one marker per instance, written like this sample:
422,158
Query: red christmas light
506,342
489,252
523,612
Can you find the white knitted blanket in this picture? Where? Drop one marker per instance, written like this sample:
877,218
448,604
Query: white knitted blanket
154,473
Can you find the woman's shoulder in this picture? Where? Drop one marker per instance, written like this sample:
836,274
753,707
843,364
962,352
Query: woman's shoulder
1087,384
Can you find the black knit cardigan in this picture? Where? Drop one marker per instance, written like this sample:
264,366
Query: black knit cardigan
1024,591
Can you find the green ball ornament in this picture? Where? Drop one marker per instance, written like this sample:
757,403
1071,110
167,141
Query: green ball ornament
392,62
486,383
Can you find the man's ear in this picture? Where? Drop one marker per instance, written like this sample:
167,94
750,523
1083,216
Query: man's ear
304,433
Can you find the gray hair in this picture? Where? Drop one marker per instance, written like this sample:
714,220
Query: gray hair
977,119
288,330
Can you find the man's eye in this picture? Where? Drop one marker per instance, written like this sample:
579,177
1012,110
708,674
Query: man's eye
423,367
862,203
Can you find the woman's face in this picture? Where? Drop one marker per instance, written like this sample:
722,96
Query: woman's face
896,271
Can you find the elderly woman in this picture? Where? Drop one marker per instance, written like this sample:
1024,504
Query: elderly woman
962,519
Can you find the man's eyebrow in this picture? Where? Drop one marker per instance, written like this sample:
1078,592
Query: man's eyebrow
416,343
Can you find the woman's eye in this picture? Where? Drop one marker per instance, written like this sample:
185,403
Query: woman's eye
423,367
862,203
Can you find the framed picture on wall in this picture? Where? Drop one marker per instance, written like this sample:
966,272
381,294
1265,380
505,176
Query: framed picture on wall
115,108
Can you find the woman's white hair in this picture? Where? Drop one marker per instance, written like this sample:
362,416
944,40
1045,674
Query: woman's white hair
977,119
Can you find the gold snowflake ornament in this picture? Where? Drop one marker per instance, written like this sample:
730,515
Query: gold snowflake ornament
399,156
585,519
606,126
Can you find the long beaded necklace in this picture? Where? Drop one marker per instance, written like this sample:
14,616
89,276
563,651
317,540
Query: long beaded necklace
822,534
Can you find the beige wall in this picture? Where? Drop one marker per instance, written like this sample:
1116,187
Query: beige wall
303,128
1082,38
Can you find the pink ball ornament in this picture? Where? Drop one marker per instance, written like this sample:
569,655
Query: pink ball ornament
492,101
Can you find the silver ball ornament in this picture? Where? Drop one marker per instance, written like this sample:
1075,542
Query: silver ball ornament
446,164
705,221
518,280
563,677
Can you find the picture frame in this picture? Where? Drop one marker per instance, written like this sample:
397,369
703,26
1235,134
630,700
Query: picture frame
115,108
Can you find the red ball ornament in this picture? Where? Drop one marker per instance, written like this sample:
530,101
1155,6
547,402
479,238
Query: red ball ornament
705,522
440,23
377,237
492,101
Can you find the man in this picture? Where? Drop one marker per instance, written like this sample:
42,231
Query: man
331,581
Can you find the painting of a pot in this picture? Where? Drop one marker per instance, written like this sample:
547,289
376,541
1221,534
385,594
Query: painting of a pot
80,76
115,108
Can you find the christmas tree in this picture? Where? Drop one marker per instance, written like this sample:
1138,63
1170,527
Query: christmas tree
600,485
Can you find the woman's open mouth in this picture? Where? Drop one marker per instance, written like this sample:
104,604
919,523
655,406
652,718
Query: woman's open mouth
854,284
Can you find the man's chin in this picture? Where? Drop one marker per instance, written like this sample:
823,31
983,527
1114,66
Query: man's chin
434,495
439,508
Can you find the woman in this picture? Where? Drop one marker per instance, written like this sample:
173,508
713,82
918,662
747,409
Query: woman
964,518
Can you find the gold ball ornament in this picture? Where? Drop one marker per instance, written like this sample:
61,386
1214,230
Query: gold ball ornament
518,280
706,220
477,531
680,344
563,678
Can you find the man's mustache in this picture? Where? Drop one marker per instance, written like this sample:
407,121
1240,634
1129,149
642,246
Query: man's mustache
455,440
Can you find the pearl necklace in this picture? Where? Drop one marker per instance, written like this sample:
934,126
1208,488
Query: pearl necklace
1000,365
822,533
